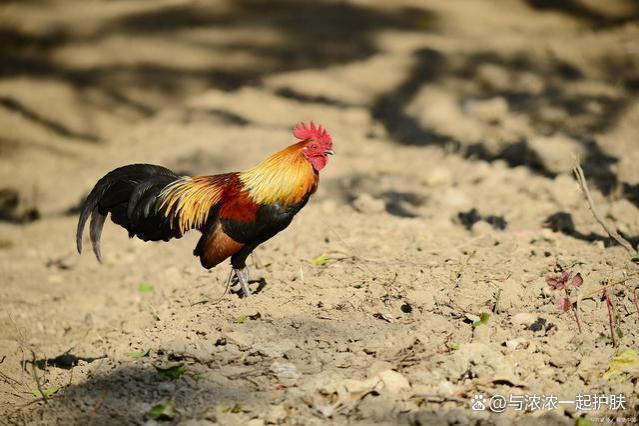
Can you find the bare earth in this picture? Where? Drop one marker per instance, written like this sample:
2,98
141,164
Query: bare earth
435,108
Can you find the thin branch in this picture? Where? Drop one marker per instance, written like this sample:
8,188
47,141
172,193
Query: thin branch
37,379
576,311
219,299
612,326
11,382
581,179
438,398
35,401
355,255
616,283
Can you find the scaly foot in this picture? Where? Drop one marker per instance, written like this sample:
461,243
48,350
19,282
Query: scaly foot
242,276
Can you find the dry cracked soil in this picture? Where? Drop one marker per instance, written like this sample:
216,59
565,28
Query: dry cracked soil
415,279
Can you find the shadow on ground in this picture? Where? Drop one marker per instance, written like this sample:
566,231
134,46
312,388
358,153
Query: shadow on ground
125,394
587,13
432,67
306,34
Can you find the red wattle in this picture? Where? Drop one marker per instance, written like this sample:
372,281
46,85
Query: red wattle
319,162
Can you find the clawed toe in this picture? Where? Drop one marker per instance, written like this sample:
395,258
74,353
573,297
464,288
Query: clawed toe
241,278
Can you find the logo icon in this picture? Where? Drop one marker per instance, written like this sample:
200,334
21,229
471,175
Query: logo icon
478,402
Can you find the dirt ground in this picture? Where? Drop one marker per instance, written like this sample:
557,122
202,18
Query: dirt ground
389,300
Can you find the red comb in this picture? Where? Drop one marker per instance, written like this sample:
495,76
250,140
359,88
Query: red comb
317,133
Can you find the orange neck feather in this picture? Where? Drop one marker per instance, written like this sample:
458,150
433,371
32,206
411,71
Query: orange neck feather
285,177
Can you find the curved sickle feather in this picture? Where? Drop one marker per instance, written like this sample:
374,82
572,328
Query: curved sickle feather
95,232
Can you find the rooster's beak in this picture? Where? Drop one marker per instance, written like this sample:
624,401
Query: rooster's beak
330,152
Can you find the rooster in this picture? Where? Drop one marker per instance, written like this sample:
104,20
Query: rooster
235,212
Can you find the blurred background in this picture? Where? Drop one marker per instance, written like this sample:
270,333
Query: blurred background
456,125
491,80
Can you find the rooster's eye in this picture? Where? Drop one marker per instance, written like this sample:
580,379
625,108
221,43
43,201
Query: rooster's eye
313,146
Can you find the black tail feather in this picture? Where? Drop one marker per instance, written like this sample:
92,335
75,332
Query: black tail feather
95,231
142,199
136,184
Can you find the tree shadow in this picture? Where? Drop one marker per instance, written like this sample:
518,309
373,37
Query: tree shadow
122,391
309,34
313,31
289,93
237,379
562,222
631,192
54,126
401,203
124,395
581,10
390,108
555,76
14,209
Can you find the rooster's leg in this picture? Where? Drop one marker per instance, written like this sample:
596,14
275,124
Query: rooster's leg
243,277
238,262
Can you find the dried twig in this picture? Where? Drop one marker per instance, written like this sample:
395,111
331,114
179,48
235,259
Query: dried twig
12,382
219,299
353,253
17,410
581,179
37,379
439,399
616,283
576,312
612,326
